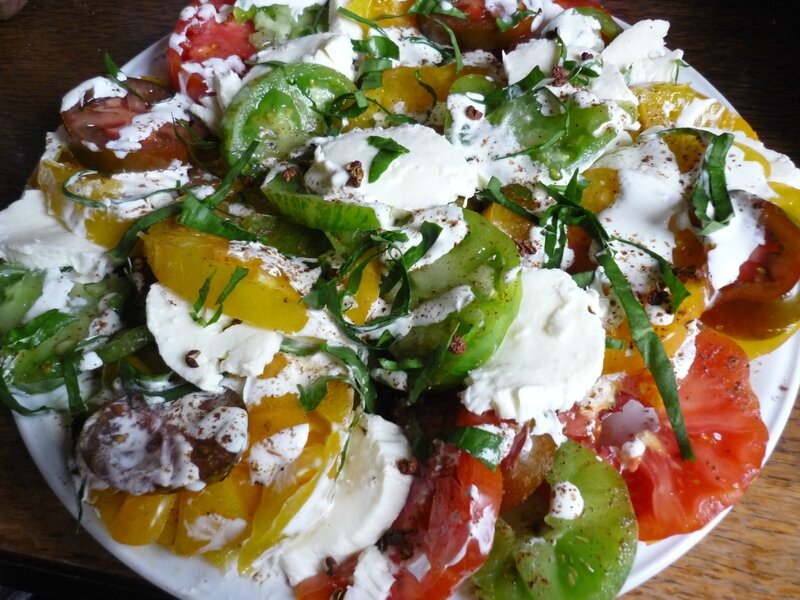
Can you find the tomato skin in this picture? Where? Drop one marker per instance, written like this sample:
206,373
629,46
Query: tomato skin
448,520
198,36
673,496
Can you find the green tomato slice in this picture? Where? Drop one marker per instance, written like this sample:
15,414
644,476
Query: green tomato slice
281,110
19,289
485,260
314,211
588,557
560,141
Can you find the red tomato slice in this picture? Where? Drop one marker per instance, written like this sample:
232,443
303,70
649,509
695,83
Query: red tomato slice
327,585
478,31
446,529
199,36
760,303
442,536
94,122
673,496
774,267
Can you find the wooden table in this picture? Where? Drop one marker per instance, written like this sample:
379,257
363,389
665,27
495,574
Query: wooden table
748,50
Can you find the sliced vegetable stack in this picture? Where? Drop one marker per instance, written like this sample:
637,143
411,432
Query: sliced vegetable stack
402,299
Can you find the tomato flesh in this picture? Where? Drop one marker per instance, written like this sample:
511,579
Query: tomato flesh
673,496
764,300
95,122
448,521
199,37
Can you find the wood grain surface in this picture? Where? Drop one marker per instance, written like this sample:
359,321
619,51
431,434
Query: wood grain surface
748,50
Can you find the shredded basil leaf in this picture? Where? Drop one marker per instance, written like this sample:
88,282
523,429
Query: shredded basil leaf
615,344
196,214
651,349
117,76
515,19
483,445
371,72
711,202
454,43
378,46
388,151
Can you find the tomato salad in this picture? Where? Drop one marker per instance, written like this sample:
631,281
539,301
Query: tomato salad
394,299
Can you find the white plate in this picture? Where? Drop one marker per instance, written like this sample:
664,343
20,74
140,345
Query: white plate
775,379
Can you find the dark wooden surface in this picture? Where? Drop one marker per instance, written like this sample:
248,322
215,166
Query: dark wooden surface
749,50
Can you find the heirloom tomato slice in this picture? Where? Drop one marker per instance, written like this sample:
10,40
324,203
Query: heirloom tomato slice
537,555
671,495
206,30
480,29
447,525
184,259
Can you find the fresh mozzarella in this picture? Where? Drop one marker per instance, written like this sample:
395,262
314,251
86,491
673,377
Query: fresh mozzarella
520,61
731,246
640,54
29,236
566,501
339,23
551,355
202,355
453,229
373,577
580,34
431,173
332,50
267,458
370,481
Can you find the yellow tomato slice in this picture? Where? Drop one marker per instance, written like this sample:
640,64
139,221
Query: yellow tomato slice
663,103
215,520
672,336
401,93
133,520
376,9
183,259
285,496
103,226
367,294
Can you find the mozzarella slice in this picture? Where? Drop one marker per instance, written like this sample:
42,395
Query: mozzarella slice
551,356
